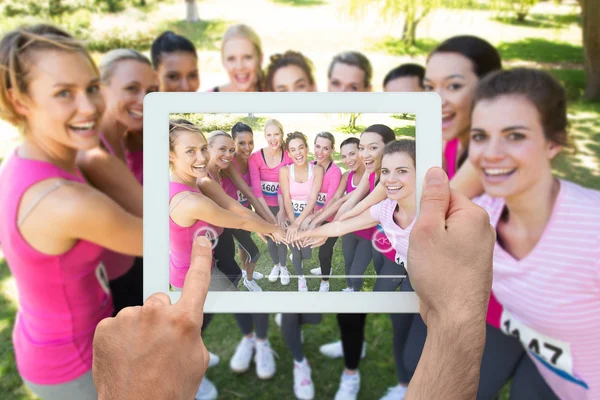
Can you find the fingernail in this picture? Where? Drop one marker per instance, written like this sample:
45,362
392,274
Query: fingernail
435,177
202,241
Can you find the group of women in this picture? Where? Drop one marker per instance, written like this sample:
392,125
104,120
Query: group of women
71,207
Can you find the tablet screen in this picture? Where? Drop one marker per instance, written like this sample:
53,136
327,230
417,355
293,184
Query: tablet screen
342,186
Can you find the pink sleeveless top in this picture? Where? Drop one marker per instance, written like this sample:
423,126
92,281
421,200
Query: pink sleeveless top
181,239
363,233
117,264
331,181
135,162
61,297
450,154
300,192
230,188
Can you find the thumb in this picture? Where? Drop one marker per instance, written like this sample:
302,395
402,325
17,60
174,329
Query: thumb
197,279
435,200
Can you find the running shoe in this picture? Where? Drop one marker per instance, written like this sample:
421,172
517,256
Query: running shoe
252,285
349,387
324,287
240,362
335,350
395,393
274,275
214,360
302,284
304,389
264,360
206,391
285,276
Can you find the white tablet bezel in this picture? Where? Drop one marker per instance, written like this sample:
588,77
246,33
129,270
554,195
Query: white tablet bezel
157,108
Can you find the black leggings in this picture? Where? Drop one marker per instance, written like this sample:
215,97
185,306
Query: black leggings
245,241
224,255
352,331
128,289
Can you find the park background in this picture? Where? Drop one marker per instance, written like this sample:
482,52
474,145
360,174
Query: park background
561,36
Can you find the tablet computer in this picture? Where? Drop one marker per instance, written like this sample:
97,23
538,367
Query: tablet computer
412,116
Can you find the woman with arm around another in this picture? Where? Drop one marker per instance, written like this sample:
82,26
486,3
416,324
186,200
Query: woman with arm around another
55,226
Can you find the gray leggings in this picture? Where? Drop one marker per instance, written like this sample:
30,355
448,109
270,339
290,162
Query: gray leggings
278,252
82,388
357,256
503,358
260,322
299,254
291,331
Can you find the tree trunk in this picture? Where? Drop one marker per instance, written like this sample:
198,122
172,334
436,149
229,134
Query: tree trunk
410,27
192,11
590,14
353,118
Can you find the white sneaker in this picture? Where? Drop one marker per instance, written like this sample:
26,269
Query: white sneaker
274,273
285,276
278,319
214,360
302,284
206,391
335,350
348,289
265,362
324,287
395,393
252,285
349,387
316,271
257,275
304,389
240,362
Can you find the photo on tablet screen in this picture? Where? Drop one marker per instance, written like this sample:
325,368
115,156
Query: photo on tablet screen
302,208
234,174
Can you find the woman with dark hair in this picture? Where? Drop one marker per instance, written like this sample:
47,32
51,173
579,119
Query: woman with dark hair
175,60
290,72
545,226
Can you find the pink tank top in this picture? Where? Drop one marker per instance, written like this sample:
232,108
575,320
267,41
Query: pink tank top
181,239
230,188
331,181
135,162
265,180
300,192
117,264
61,298
450,154
363,233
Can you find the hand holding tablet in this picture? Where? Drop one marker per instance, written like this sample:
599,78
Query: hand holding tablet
162,342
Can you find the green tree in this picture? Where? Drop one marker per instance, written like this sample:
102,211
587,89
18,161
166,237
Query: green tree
413,12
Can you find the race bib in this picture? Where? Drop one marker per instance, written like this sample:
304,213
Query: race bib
241,198
552,353
400,260
102,277
298,206
321,199
269,188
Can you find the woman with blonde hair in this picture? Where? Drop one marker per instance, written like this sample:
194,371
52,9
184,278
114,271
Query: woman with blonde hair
242,57
55,226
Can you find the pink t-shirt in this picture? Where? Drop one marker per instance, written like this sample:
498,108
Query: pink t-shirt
265,180
551,298
380,240
398,237
117,264
331,181
181,239
230,188
62,298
